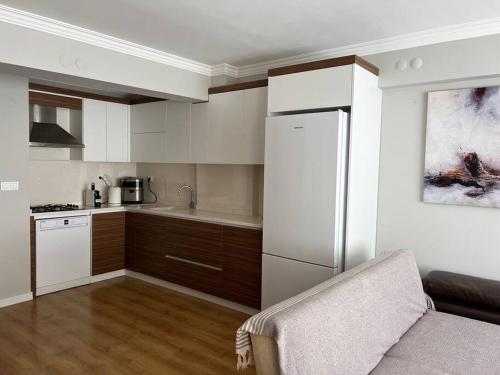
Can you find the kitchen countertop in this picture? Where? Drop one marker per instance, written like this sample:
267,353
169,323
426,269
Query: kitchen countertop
230,219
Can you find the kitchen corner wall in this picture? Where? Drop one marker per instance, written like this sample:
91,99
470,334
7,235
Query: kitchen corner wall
14,166
224,188
64,181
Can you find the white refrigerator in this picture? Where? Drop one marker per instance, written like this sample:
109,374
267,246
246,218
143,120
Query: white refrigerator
305,173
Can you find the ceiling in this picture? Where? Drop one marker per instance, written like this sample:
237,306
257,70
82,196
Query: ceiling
241,32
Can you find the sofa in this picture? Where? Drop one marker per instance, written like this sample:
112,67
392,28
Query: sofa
373,319
468,296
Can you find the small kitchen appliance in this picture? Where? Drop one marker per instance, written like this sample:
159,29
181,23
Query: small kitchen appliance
115,195
132,190
92,197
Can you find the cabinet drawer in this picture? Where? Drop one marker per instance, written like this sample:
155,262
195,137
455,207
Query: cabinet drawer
194,241
193,276
321,88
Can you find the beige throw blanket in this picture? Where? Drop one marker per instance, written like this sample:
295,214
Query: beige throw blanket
307,311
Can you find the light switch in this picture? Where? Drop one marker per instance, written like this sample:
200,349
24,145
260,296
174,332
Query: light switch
9,185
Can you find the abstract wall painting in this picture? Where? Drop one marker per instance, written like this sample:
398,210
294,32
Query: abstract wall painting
462,154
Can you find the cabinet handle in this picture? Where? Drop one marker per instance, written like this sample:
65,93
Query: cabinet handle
194,263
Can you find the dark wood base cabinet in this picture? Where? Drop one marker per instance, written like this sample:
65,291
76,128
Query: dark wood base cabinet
220,260
108,242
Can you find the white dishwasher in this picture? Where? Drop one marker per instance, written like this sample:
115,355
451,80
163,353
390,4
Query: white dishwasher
62,253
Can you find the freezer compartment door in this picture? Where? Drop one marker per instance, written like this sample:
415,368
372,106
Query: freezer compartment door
304,187
284,278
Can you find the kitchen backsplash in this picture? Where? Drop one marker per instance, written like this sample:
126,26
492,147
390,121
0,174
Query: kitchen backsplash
230,188
224,188
167,178
64,181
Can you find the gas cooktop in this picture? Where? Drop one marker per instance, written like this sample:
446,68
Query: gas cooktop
54,208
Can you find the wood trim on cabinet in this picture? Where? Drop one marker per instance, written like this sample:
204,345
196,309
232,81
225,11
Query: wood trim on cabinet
145,100
79,94
238,86
322,64
33,254
54,100
87,95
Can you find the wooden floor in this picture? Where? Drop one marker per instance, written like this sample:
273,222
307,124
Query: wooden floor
119,326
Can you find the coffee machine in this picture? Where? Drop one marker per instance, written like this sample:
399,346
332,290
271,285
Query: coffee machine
132,190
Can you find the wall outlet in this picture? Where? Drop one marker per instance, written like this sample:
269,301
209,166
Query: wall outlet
151,179
9,185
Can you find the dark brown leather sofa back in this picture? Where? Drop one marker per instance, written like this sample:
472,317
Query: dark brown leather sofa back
463,295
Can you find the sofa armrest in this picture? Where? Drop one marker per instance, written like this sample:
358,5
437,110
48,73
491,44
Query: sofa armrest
462,288
265,354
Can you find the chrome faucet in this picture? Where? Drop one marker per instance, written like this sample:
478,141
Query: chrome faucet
191,203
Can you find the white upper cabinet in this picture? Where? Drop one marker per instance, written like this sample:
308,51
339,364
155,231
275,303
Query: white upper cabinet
94,130
254,126
178,132
148,117
228,129
314,89
235,128
148,124
105,130
225,123
199,131
117,132
161,132
148,148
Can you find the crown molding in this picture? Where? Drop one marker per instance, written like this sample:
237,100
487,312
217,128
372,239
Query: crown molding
417,39
80,34
225,69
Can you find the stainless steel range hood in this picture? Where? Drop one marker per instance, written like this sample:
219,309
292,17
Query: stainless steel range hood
45,132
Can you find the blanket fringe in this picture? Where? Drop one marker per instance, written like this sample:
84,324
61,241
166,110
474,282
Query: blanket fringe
245,357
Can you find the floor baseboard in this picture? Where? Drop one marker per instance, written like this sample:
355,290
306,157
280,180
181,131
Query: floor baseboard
16,299
192,292
107,276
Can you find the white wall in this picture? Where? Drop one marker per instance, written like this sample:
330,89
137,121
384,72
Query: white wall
444,62
453,238
14,166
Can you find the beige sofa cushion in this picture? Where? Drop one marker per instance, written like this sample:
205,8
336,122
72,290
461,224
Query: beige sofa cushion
398,366
449,343
347,328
